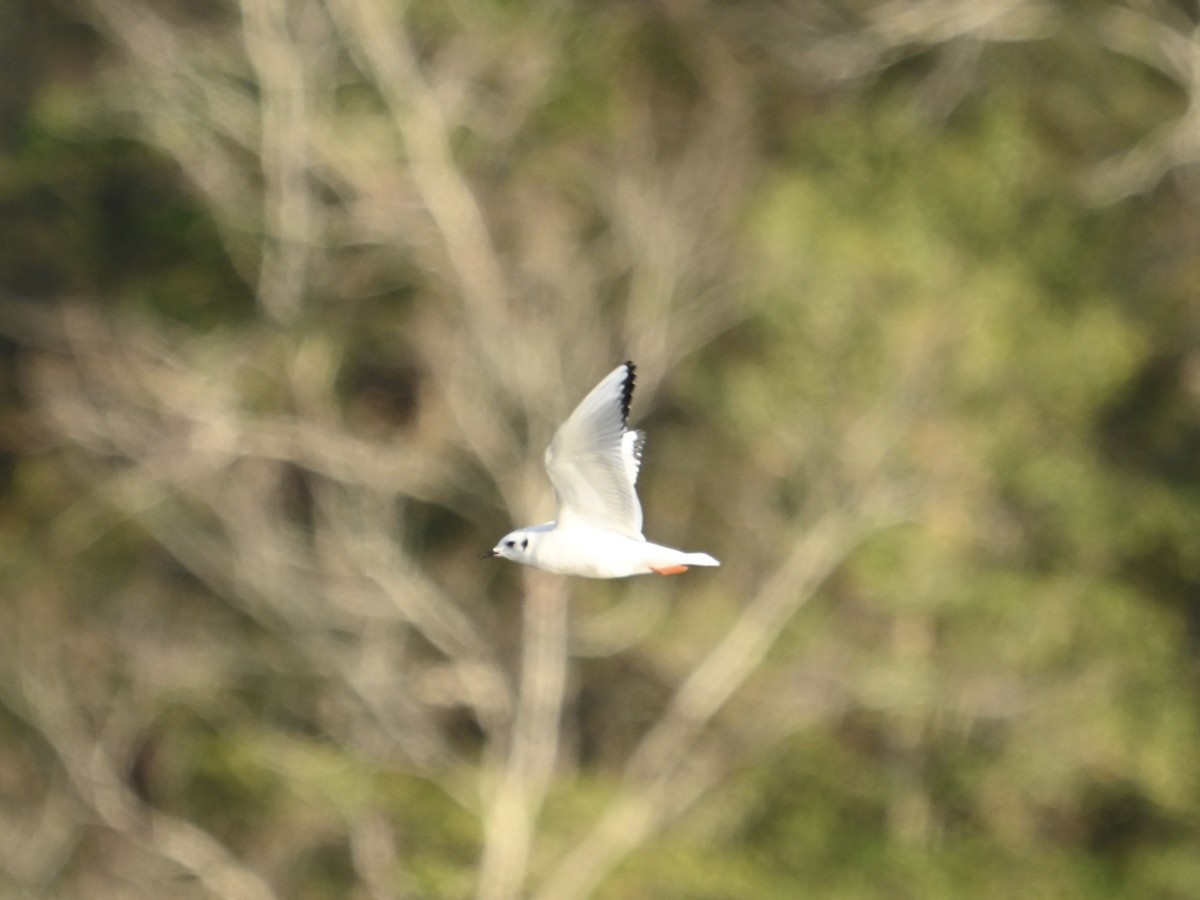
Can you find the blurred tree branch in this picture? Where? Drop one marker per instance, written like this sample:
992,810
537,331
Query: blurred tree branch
1160,37
47,701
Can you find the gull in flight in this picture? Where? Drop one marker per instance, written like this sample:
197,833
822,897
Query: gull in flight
593,464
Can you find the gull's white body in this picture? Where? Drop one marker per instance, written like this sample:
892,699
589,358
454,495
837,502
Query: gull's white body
593,464
598,553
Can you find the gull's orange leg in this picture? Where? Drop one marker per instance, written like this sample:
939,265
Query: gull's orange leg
668,570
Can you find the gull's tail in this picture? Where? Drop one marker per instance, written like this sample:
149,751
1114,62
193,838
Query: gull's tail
669,561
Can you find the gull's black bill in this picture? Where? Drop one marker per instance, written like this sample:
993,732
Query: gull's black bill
489,554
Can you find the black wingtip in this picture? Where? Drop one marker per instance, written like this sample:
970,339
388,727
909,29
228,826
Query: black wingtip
627,389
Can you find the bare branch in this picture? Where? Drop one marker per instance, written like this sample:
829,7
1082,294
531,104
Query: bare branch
514,800
283,72
94,776
1172,47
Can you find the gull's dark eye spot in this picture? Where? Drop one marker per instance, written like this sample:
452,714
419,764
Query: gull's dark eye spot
524,543
509,543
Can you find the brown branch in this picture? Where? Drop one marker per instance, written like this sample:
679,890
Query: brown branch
514,799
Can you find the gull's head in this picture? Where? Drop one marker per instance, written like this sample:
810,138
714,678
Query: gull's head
516,545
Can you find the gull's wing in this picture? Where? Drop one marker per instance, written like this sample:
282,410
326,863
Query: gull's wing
593,461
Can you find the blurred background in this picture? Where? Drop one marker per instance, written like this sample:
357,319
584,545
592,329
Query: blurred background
293,294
